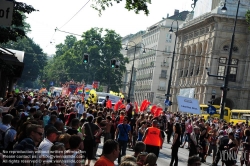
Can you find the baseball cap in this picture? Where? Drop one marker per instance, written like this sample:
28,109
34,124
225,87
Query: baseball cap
52,130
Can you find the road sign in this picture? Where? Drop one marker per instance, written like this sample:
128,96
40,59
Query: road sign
211,110
166,102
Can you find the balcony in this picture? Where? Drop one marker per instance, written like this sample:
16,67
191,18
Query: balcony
164,64
161,88
150,64
164,76
143,87
145,76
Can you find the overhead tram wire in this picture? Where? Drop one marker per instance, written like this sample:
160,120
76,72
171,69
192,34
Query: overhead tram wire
68,20
75,14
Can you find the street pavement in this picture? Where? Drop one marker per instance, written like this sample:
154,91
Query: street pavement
165,156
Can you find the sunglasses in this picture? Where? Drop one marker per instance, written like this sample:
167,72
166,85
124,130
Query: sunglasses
41,134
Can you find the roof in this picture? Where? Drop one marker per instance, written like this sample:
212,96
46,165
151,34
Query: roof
180,16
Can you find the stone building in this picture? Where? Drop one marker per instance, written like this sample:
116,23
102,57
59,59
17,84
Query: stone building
151,72
204,42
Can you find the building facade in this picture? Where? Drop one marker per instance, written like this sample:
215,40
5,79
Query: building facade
204,42
152,68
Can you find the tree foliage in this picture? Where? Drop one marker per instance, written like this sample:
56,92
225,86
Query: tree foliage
136,5
34,59
101,45
248,18
18,28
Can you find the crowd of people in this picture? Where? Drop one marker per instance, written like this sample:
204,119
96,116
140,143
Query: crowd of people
41,130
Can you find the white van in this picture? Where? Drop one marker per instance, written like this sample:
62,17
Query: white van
102,96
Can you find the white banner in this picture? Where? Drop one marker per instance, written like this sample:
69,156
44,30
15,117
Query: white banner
6,12
188,105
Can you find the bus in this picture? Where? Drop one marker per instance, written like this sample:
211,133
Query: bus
239,116
227,112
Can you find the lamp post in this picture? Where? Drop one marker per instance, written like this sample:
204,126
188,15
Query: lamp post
172,63
132,70
226,80
225,88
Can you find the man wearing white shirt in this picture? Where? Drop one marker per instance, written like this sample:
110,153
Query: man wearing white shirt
80,109
51,136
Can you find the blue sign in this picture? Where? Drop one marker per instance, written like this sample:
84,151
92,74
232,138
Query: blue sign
211,110
166,102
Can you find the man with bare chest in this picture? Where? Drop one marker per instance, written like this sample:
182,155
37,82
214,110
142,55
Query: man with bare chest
109,124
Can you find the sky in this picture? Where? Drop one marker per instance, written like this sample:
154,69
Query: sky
54,14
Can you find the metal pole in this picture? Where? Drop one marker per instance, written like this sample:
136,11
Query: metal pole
226,80
131,77
172,63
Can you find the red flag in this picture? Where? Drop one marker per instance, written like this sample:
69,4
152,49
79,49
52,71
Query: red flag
117,105
158,112
153,109
143,105
122,106
109,104
136,107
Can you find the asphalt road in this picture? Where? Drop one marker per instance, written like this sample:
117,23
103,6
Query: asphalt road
165,156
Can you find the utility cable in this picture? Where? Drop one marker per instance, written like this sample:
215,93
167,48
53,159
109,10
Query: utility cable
74,14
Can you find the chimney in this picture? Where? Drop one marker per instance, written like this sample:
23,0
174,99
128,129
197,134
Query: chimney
167,15
176,12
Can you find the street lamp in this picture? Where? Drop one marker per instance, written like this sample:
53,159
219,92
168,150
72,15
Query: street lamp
172,63
226,77
132,70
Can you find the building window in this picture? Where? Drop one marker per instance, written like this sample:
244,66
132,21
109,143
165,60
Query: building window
233,69
234,62
223,60
191,72
169,38
226,48
198,70
232,75
221,72
168,49
181,73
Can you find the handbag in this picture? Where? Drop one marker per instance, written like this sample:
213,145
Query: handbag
125,131
91,135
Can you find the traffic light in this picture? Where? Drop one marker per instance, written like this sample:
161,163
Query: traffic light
115,64
170,103
85,58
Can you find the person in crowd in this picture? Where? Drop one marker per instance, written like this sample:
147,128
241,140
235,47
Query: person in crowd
141,130
194,142
29,144
10,135
64,138
169,130
90,131
73,156
128,158
150,160
57,154
139,147
123,135
4,127
246,148
128,163
110,153
107,130
193,161
153,139
129,109
51,136
141,158
176,144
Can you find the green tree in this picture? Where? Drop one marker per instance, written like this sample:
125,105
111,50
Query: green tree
136,5
19,28
34,59
102,46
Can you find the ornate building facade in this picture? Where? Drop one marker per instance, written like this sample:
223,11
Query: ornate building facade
204,42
